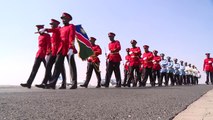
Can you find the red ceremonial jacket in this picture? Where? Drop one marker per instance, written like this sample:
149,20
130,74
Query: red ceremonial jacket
43,41
135,54
55,40
114,48
97,51
67,34
156,60
207,66
126,65
147,60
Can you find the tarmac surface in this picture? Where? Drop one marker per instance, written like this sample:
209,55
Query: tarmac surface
147,103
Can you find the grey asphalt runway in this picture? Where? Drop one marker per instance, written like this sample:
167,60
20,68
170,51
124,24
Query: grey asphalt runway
149,103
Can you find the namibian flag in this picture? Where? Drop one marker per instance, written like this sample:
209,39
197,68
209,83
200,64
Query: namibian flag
84,44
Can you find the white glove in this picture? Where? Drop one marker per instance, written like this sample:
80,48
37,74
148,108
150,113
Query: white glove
70,52
209,61
42,30
144,58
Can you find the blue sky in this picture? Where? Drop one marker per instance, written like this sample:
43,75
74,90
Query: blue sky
181,29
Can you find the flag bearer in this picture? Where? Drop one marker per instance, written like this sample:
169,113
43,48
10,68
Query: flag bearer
93,63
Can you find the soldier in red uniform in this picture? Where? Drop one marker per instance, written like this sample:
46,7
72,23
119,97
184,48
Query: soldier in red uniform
114,59
67,35
93,63
55,42
147,58
207,67
156,67
43,41
126,67
134,64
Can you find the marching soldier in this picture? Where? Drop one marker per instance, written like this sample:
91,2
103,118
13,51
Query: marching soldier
134,64
170,71
176,72
207,67
182,77
93,63
114,59
43,43
187,72
190,74
147,58
126,67
55,42
156,67
163,71
194,75
197,76
67,35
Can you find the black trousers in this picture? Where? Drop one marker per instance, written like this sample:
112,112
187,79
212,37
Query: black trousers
156,74
126,73
50,61
196,80
171,77
209,75
113,66
73,70
182,79
132,76
90,67
188,79
58,69
35,68
148,73
177,79
163,75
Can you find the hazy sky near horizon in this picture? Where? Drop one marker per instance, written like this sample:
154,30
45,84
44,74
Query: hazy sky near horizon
181,29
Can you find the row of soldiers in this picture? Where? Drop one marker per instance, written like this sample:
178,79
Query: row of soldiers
150,64
61,45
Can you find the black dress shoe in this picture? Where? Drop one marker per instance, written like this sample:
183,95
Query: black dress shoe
83,86
98,86
117,86
40,86
25,85
62,87
49,86
74,87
